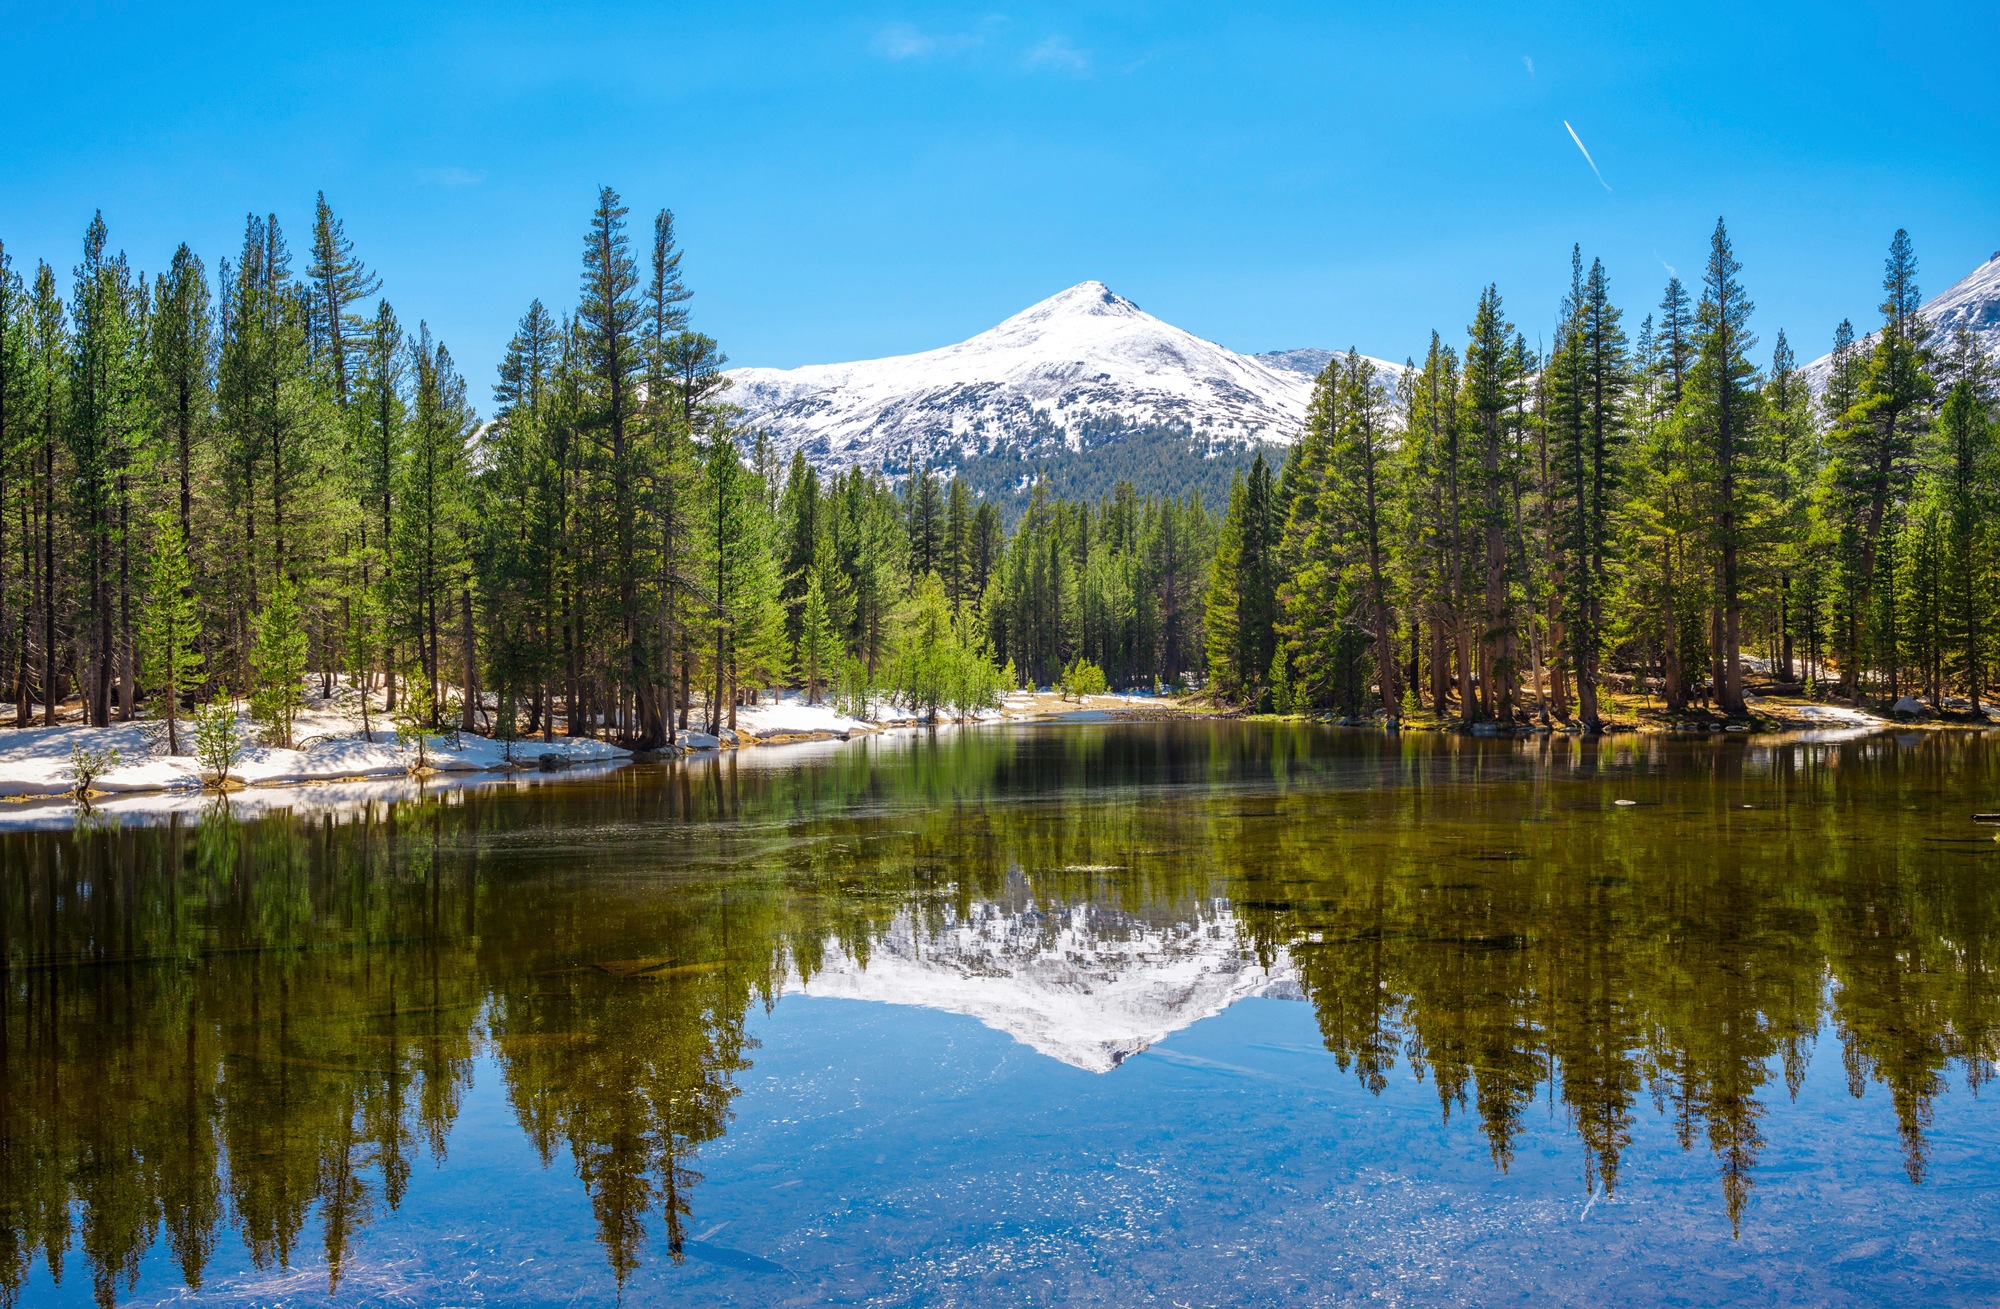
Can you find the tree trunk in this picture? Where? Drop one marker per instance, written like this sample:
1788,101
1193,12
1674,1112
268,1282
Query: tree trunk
1468,691
1440,666
468,664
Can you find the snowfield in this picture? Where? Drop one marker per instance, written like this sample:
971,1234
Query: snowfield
1082,361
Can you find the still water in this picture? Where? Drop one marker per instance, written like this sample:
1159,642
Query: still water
1192,1014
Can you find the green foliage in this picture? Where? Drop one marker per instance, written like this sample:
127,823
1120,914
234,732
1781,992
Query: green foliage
939,665
416,718
218,741
814,658
170,624
1279,680
1156,463
271,483
363,647
1242,599
854,690
87,765
278,647
1081,678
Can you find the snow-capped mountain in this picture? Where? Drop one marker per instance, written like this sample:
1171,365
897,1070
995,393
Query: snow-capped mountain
1973,300
1086,985
1073,371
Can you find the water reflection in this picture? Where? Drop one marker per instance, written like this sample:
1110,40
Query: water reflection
258,1027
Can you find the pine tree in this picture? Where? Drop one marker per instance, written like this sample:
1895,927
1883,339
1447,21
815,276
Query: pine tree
16,397
1257,595
1794,458
1314,551
1874,441
180,347
1722,401
432,569
48,411
923,670
730,595
278,662
106,417
955,558
338,279
1362,484
759,648
610,323
170,625
379,449
1488,394
924,514
983,554
1437,523
1586,381
800,529
818,649
1968,478
1223,603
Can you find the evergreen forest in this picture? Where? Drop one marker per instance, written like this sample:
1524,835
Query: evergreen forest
256,479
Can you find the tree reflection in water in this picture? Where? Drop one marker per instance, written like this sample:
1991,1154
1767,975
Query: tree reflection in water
214,1023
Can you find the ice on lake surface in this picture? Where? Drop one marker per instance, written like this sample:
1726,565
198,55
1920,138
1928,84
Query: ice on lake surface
1111,1014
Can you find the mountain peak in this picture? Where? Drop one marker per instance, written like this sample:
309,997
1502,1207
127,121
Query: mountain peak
1091,299
1074,370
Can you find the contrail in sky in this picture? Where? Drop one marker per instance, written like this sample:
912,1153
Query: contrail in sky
1586,154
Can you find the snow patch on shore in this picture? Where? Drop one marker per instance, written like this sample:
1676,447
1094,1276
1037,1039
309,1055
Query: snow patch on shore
35,761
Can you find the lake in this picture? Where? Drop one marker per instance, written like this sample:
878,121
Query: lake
1068,1014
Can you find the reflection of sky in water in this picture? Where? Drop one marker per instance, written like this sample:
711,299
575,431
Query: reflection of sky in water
1012,1017
887,1154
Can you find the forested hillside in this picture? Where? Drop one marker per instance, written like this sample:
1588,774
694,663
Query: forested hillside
257,478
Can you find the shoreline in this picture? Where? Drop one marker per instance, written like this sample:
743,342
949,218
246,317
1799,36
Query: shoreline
158,786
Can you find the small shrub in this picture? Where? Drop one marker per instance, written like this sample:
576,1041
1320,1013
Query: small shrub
218,740
413,719
854,692
87,765
1081,678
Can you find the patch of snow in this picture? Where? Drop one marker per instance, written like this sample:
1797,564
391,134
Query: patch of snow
331,747
1818,713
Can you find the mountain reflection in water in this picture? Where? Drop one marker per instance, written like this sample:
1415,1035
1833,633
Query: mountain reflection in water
260,1028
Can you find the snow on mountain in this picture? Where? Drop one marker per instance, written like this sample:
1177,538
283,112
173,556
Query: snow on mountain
1310,360
1072,371
1083,984
1973,300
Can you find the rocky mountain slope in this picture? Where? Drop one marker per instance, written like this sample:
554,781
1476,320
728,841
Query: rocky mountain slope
1083,368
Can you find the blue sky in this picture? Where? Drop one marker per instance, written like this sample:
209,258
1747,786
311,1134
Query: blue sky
853,181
